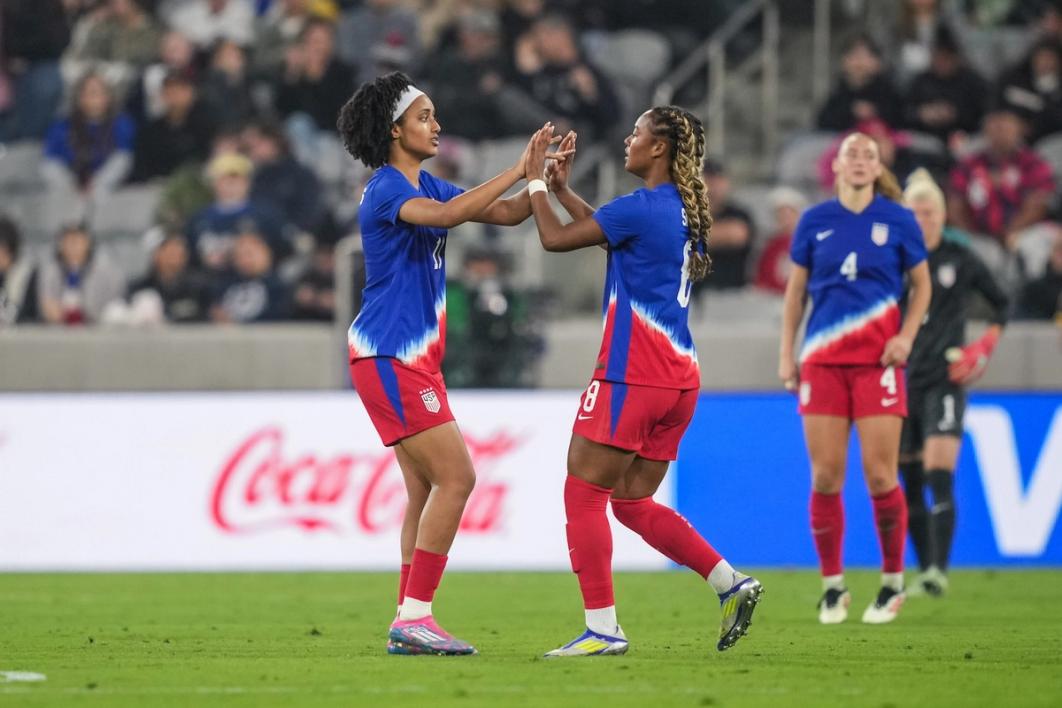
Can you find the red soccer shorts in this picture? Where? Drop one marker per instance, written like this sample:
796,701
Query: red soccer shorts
401,401
852,391
644,419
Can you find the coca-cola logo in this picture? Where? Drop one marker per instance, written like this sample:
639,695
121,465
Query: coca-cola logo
261,487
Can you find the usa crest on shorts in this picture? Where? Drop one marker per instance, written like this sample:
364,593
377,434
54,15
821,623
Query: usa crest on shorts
431,401
879,233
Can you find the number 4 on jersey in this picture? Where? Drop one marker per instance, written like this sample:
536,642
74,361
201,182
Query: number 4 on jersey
849,269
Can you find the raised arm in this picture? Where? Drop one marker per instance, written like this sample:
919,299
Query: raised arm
554,235
792,312
556,176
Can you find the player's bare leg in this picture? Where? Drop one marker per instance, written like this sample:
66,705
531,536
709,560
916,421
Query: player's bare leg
417,490
668,532
879,440
440,457
827,441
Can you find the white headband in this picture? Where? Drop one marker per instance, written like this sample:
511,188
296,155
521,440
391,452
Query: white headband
405,101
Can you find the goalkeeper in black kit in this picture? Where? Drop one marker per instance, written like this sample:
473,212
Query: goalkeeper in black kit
939,368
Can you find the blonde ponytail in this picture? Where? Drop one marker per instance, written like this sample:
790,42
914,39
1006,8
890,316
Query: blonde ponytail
685,132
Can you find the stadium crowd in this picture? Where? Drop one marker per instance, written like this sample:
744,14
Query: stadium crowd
227,109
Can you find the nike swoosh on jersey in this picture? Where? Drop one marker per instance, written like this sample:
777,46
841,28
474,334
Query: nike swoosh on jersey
823,235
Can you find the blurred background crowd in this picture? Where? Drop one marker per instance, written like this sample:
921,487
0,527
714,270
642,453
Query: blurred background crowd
175,161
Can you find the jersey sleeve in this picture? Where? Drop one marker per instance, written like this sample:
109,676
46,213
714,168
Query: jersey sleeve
623,218
800,250
390,192
983,282
912,244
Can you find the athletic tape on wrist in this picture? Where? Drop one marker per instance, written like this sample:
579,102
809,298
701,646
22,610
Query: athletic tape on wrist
535,186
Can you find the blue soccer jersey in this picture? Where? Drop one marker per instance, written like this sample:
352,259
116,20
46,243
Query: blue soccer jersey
856,265
647,292
403,311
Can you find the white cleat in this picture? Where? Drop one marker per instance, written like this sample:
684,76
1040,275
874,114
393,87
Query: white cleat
591,643
885,607
833,607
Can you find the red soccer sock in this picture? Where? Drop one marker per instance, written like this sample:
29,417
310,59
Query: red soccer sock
890,515
668,532
403,580
425,572
827,528
589,540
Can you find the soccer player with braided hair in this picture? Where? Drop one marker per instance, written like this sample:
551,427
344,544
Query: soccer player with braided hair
644,388
397,340
851,255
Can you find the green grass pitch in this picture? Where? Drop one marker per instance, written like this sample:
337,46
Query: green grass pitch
317,639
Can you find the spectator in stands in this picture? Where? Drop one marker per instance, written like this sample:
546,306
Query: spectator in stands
184,293
373,29
251,292
181,134
773,266
119,32
212,231
919,21
176,54
949,99
226,88
90,151
314,82
79,281
732,234
555,75
1004,188
1041,299
1034,89
280,28
864,91
315,291
18,278
33,35
206,22
312,89
280,180
188,189
468,81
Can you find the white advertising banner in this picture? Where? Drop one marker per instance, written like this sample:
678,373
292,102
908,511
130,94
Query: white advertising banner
283,481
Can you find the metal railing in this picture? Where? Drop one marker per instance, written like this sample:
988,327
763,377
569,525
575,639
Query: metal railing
712,53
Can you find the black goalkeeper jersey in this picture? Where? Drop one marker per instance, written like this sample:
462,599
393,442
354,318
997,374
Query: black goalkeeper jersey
956,272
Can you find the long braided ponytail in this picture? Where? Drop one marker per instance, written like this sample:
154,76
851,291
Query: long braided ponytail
685,132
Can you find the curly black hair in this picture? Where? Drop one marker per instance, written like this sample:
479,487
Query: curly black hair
365,120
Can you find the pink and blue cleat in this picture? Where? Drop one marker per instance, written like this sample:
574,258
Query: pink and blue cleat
424,636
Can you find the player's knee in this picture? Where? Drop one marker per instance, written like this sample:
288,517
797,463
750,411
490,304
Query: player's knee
880,482
827,478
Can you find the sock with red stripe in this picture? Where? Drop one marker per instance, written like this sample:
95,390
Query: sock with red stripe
890,516
403,580
668,531
827,529
590,547
425,573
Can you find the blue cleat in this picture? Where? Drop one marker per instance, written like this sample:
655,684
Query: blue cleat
591,643
424,636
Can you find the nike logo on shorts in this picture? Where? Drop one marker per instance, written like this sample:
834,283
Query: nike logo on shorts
823,235
888,401
584,417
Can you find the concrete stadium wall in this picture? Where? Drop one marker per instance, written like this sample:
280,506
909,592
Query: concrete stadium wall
738,355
